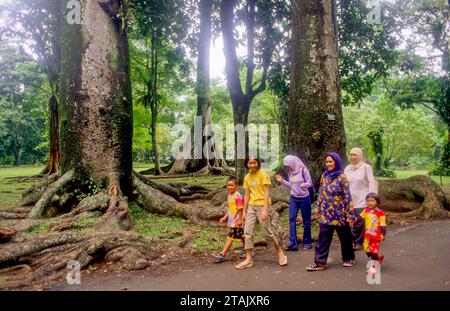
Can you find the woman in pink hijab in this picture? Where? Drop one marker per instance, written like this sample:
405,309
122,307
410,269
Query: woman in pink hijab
299,182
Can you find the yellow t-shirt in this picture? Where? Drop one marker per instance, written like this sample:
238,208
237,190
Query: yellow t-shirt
255,183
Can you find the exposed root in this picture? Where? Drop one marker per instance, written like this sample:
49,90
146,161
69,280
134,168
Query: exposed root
33,194
6,234
179,191
46,198
13,215
46,258
154,201
151,171
417,196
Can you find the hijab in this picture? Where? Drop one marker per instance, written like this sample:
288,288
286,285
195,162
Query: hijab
295,164
337,167
359,152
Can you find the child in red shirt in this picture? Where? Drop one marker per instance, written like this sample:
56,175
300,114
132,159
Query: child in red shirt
375,228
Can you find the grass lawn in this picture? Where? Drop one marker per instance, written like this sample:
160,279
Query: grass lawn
13,181
401,174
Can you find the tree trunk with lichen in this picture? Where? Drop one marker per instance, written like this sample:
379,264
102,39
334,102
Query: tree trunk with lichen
95,98
315,114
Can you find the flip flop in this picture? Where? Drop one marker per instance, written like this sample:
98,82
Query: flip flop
244,265
283,262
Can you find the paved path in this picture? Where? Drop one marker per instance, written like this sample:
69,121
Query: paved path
417,258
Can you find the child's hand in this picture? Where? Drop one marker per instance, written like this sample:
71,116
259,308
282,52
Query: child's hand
239,222
221,220
265,214
278,178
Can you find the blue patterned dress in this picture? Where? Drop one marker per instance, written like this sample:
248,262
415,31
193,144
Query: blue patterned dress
335,202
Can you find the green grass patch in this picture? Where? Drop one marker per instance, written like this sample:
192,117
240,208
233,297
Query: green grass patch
403,174
13,180
38,228
204,238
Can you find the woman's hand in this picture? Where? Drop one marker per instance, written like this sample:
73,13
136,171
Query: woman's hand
278,178
265,214
351,221
382,237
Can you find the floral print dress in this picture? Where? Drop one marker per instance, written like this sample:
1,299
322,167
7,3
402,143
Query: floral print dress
335,201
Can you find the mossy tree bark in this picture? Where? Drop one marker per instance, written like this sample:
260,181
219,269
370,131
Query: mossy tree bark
315,113
95,102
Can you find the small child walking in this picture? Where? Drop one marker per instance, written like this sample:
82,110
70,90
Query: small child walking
375,229
233,216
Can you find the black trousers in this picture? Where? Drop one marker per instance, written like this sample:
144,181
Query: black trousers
326,237
358,228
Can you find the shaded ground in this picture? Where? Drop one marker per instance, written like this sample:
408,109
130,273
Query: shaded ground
417,258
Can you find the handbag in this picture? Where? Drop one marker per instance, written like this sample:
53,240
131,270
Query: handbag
312,192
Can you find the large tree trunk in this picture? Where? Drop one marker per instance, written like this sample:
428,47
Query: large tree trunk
315,113
53,162
192,159
95,98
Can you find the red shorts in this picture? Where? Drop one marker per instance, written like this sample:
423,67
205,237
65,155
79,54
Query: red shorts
371,246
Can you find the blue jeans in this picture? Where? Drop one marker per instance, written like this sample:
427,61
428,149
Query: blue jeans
304,204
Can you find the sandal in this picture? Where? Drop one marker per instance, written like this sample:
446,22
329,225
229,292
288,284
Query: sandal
315,267
283,262
243,254
219,257
244,265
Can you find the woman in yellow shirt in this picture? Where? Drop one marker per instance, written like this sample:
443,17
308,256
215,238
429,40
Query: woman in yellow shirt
257,208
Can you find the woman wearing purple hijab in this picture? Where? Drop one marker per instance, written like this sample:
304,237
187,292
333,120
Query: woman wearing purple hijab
334,205
299,182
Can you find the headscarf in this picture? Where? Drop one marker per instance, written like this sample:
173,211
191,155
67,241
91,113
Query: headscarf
360,154
295,164
337,167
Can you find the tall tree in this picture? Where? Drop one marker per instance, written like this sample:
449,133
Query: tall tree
40,22
259,19
428,83
95,102
316,123
193,159
158,24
